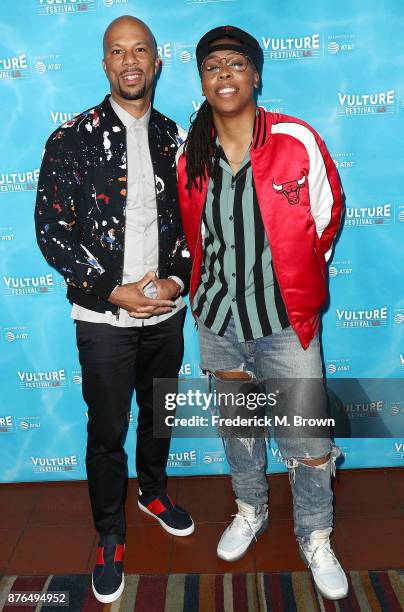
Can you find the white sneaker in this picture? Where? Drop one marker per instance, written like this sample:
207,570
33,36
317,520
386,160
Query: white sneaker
327,572
247,525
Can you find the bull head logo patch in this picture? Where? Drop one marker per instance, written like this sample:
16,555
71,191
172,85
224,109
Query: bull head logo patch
290,189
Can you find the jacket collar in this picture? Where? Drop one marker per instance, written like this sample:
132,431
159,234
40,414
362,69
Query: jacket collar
112,117
260,132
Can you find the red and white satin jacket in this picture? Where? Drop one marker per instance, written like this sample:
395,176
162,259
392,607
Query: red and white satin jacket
300,199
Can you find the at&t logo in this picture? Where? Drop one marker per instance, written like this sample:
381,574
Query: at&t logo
399,316
29,423
185,53
343,160
109,3
341,43
340,268
13,334
213,457
338,366
47,63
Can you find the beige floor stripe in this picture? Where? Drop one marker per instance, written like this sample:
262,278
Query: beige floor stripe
228,593
5,583
175,593
127,601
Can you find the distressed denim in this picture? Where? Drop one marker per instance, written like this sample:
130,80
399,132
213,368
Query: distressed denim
281,357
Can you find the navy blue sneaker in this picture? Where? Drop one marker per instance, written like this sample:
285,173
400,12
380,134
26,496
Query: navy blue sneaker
108,579
171,517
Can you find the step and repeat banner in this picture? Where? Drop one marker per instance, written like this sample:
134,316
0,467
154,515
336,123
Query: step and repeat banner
339,66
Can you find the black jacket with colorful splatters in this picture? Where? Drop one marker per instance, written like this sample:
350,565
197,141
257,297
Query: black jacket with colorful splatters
81,199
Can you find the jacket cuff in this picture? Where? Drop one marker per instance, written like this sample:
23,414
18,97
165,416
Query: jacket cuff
181,268
178,281
104,285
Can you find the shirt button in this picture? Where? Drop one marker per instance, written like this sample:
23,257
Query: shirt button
231,218
233,246
234,299
234,275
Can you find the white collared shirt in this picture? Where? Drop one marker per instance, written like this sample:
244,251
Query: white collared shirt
141,225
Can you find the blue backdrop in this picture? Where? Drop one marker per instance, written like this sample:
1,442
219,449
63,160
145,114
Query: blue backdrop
339,66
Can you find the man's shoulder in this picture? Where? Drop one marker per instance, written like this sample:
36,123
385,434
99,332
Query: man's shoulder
85,123
173,129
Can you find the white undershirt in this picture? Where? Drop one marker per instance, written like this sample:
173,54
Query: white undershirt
141,225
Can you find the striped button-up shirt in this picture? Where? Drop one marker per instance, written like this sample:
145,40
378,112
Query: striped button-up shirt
237,278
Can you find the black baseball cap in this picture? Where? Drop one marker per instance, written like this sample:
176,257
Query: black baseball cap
249,45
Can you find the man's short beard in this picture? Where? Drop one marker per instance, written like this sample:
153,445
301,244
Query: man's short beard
135,95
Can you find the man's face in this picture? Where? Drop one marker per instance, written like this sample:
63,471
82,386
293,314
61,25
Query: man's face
130,60
228,91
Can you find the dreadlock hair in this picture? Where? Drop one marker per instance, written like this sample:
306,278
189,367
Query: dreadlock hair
199,147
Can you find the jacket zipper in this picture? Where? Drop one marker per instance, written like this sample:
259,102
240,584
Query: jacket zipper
196,247
124,216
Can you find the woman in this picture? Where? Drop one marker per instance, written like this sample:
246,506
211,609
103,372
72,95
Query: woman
261,203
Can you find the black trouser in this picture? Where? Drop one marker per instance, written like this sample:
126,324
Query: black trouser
115,361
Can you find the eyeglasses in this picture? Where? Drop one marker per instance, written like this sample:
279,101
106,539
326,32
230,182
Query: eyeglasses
235,61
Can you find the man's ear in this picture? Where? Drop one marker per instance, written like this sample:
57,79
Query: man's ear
256,80
103,65
157,64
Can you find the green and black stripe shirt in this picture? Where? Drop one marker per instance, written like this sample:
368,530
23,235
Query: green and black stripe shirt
237,276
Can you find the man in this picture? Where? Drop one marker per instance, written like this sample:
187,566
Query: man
261,203
107,218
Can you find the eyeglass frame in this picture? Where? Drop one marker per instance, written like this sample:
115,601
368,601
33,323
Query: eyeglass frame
220,61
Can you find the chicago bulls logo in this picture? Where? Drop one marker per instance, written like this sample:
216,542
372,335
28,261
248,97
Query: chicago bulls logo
290,189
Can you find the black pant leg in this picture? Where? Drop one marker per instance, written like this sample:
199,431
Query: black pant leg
107,355
160,353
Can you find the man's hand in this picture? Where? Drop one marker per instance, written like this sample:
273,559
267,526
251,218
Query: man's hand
131,298
167,288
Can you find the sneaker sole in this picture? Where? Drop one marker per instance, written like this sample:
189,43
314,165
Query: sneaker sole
171,530
239,556
109,598
334,597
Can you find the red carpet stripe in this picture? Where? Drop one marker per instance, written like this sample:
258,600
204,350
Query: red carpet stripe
34,583
90,604
385,592
219,595
274,592
350,603
240,600
151,594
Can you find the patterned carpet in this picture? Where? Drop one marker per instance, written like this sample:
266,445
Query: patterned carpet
369,591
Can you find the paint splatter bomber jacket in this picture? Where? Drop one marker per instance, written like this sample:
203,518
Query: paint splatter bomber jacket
81,201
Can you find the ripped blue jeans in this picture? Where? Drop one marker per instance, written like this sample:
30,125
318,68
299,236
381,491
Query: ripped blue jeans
278,356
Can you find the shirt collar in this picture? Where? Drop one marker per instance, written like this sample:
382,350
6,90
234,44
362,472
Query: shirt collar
127,119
